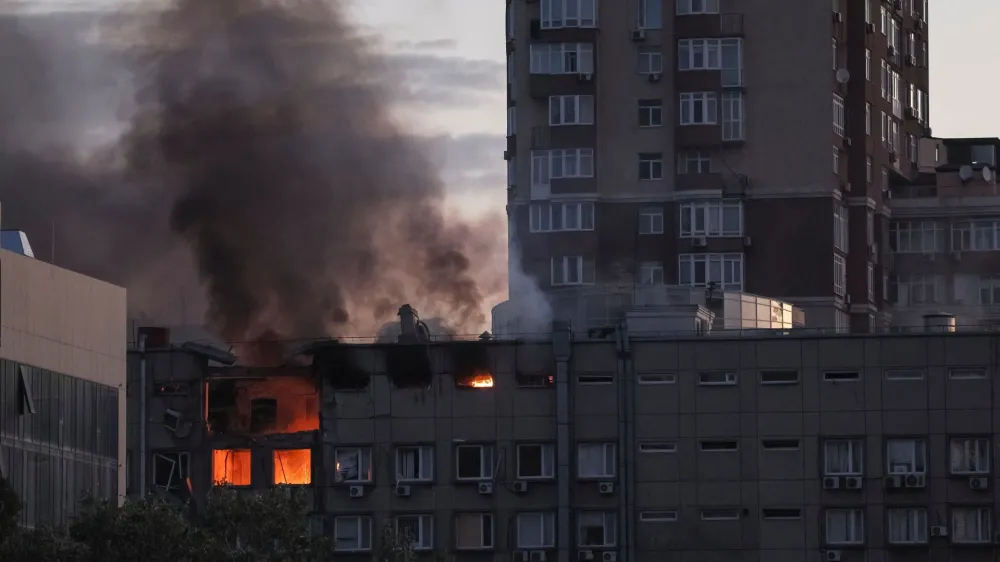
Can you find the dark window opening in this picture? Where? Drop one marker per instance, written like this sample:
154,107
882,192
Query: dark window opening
533,380
409,365
221,402
263,414
338,365
171,471
471,365
841,375
25,403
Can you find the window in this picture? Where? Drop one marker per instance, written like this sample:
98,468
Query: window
967,373
845,526
871,282
171,470
906,456
868,120
916,237
839,275
657,378
843,457
989,289
838,115
841,376
511,121
725,55
596,460
415,464
717,378
547,165
724,446
651,220
971,525
572,270
650,113
473,531
781,514
231,467
597,529
568,13
725,271
664,447
780,444
732,116
836,160
790,376
833,46
651,166
535,461
715,217
984,154
915,290
474,462
699,108
419,529
840,231
354,464
650,14
885,179
688,7
976,236
657,516
571,110
904,374
650,59
352,533
651,273
292,466
536,530
907,525
595,379
970,455
561,217
868,168
720,514
694,162
562,58
868,65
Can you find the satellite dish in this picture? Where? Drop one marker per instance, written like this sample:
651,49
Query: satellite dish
987,175
843,75
965,172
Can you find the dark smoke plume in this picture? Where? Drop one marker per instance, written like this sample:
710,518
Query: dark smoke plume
262,150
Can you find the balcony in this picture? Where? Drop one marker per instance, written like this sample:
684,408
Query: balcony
709,25
562,34
541,86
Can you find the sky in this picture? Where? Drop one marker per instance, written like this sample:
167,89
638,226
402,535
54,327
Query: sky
445,40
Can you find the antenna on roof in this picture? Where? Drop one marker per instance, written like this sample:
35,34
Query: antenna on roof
965,173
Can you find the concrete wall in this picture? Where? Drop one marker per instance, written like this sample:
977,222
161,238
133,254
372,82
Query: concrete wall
56,319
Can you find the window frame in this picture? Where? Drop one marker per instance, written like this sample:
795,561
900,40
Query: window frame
980,510
546,455
487,469
918,456
693,103
856,457
552,14
609,524
855,532
916,522
609,453
729,263
425,527
696,218
483,518
583,266
359,520
546,523
651,166
364,455
582,109
978,442
686,7
425,461
650,113
542,56
654,214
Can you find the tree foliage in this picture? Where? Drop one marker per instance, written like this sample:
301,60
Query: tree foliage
232,525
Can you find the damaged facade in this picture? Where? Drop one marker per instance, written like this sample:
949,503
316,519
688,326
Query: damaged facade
608,447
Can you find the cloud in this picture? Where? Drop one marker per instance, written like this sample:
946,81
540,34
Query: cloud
469,162
443,44
448,80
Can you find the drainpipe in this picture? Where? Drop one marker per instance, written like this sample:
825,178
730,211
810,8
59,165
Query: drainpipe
624,456
142,415
562,350
626,377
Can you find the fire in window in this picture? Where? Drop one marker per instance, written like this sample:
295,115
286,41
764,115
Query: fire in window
472,366
293,467
231,467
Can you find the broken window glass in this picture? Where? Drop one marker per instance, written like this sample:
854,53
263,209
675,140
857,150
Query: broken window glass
293,467
171,470
354,465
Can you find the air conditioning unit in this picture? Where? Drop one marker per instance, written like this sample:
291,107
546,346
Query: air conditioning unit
832,555
520,486
585,555
486,488
699,242
403,491
979,483
638,35
831,483
609,556
537,556
893,482
939,531
606,488
585,77
916,481
357,491
654,77
870,28
854,483
838,17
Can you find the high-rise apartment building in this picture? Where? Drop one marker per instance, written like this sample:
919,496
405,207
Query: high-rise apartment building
692,142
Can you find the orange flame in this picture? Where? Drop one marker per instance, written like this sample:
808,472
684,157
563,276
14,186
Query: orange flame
478,380
293,466
231,467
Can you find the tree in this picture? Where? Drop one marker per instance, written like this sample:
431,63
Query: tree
234,525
